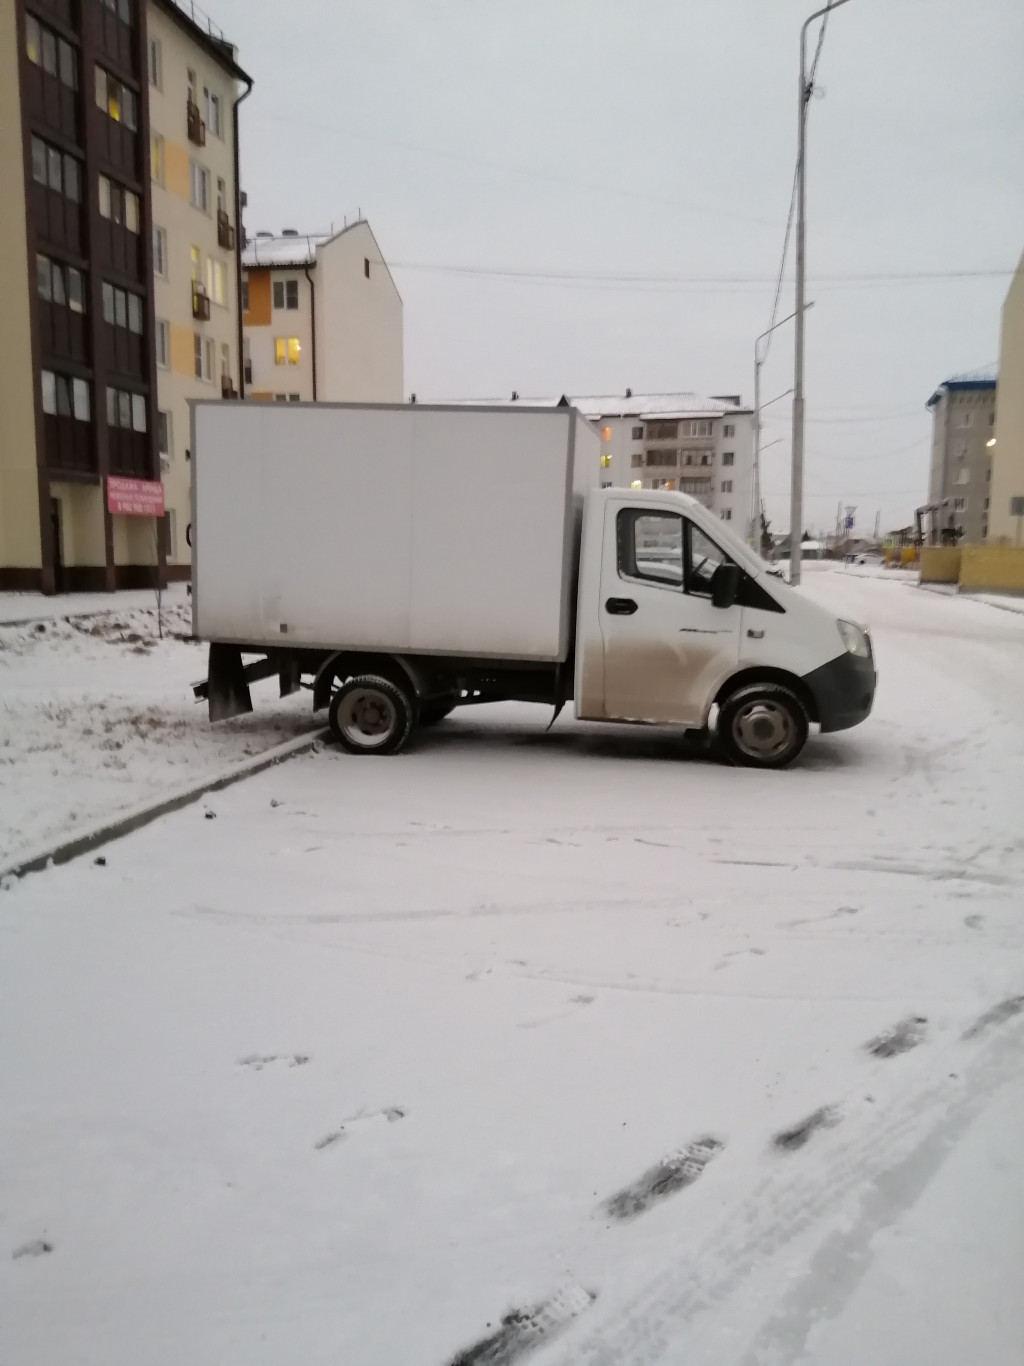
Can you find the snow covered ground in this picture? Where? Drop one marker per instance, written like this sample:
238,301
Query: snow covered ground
657,1060
97,715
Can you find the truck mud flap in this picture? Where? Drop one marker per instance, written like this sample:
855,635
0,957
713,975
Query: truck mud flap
226,689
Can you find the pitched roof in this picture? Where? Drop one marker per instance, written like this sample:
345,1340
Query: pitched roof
685,404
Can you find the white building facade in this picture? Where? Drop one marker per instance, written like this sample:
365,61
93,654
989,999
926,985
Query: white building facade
322,319
683,441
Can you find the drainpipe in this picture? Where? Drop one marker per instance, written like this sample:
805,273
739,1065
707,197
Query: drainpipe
312,322
238,233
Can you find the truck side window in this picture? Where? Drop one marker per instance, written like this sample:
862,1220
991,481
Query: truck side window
650,546
702,559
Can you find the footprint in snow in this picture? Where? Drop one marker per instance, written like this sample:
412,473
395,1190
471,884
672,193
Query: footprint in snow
257,1061
391,1113
901,1038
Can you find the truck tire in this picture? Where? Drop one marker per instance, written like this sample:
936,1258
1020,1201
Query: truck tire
436,709
370,715
762,725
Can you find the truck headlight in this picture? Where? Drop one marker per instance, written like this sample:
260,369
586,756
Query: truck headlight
855,638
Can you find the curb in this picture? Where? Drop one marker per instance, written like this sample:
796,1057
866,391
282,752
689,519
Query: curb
138,817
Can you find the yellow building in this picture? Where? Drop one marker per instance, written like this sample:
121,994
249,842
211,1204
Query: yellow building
1008,451
92,353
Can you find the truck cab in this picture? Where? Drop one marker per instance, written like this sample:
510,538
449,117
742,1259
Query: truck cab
676,616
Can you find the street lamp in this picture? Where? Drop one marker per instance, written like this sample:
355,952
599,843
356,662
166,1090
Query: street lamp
796,501
759,360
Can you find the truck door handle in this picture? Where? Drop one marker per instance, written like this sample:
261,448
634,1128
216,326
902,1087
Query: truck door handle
620,607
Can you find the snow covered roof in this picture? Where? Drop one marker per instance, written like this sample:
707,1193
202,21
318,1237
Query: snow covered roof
976,379
291,248
641,406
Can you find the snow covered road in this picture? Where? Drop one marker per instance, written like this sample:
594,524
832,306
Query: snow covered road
669,1061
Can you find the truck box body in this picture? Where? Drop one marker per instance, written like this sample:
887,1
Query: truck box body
408,529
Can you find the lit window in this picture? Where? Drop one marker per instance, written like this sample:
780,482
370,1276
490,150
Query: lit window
32,38
606,461
156,157
637,484
606,433
197,268
215,280
286,350
293,350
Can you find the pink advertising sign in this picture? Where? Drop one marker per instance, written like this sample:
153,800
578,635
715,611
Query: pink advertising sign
135,497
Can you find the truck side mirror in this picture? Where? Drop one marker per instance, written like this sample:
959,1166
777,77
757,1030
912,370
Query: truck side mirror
725,585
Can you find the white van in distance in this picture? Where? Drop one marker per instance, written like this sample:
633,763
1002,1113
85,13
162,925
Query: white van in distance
402,561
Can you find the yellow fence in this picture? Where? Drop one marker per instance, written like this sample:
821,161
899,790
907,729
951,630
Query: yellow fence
940,564
992,569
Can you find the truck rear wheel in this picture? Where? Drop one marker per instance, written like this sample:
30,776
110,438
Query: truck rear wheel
370,715
762,725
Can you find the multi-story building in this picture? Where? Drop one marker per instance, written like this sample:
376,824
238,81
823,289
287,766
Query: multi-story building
79,351
963,425
322,318
697,445
1008,452
194,86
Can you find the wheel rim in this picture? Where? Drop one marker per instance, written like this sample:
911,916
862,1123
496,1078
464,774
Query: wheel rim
367,718
763,729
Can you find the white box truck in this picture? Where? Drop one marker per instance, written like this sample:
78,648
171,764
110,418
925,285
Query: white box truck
405,560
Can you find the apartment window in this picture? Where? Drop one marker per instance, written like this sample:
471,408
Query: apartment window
659,431
60,284
727,486
156,64
225,361
162,343
366,266
959,504
156,158
637,434
135,314
294,398
280,398
75,289
197,266
212,108
700,428
966,419
728,457
32,38
286,350
245,294
159,252
215,280
56,169
199,186
131,211
204,358
190,77
118,204
961,450
662,458
985,504
169,535
962,477
606,462
80,405
729,429
163,433
115,99
286,293
727,514
126,411
636,460
222,195
991,419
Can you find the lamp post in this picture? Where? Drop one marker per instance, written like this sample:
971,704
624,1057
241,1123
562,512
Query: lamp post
758,362
796,501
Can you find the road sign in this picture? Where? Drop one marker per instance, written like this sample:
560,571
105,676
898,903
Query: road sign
134,497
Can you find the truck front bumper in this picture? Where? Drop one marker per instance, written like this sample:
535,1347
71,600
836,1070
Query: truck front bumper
843,690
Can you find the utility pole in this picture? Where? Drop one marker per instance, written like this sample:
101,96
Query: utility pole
755,522
796,501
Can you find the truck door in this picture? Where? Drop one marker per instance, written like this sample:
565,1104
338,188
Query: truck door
666,647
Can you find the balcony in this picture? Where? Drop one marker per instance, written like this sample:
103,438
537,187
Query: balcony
196,126
200,303
227,389
248,371
225,231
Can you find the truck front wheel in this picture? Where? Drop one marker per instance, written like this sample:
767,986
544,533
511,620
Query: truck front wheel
762,725
370,715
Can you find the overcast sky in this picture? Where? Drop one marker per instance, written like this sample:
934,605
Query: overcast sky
594,139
